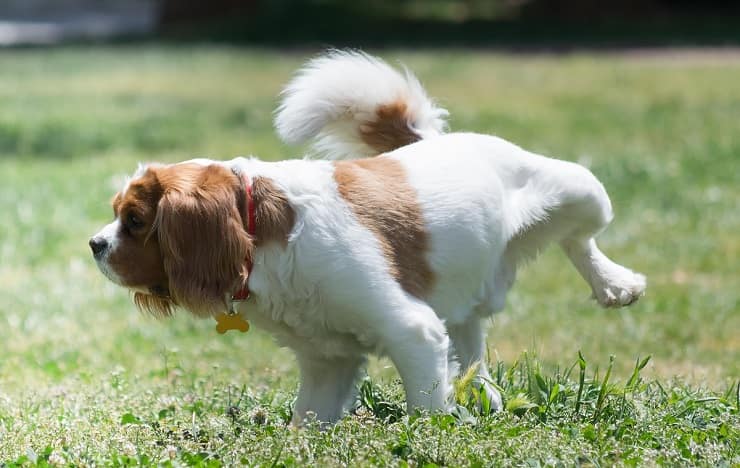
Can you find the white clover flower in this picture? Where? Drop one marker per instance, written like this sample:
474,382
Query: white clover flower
128,449
56,458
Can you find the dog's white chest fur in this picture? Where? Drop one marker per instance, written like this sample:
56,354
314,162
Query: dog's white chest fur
307,291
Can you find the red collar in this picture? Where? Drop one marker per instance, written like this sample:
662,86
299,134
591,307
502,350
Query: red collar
242,294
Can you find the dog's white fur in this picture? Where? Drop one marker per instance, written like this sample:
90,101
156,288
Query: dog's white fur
487,204
335,94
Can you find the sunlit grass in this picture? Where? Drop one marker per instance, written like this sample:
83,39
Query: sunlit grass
76,358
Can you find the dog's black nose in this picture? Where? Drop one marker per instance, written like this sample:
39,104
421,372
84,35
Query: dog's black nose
98,245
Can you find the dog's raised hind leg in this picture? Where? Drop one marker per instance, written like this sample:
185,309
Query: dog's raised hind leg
580,210
613,285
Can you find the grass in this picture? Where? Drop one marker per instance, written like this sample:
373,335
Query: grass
84,379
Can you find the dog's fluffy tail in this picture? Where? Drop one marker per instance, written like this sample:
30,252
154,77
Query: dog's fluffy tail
355,105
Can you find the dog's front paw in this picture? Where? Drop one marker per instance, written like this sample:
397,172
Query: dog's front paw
620,288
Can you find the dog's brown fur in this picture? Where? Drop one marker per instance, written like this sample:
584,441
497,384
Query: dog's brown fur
193,246
273,214
380,196
390,129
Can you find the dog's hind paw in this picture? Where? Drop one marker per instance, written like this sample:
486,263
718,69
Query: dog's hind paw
621,289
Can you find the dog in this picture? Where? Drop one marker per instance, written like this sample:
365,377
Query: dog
402,242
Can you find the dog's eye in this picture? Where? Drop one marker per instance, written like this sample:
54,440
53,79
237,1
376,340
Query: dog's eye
133,221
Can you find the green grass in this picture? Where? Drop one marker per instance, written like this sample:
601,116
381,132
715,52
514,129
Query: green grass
85,379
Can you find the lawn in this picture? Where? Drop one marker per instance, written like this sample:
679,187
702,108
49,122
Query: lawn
85,379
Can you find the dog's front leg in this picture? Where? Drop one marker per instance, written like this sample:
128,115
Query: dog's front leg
326,387
417,343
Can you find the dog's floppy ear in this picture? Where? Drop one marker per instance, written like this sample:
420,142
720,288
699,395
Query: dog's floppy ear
202,237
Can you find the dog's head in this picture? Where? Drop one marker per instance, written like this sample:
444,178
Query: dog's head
178,238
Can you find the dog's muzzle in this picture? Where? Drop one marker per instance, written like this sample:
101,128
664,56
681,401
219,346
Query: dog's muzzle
99,246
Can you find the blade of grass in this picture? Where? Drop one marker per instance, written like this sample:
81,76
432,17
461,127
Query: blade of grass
634,378
602,391
581,380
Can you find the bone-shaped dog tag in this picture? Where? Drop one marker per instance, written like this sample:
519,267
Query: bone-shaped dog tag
226,322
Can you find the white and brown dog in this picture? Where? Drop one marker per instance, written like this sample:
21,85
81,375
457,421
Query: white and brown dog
403,250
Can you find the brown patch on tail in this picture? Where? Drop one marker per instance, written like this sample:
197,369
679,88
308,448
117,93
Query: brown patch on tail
391,128
380,196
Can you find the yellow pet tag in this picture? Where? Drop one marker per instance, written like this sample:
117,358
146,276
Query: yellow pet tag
226,322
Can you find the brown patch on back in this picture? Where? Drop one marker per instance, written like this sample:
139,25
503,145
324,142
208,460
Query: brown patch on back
380,196
273,214
390,129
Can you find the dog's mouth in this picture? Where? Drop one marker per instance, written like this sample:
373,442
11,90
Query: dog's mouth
105,269
159,291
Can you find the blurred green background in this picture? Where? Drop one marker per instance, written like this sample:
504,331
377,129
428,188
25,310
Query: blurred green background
659,131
